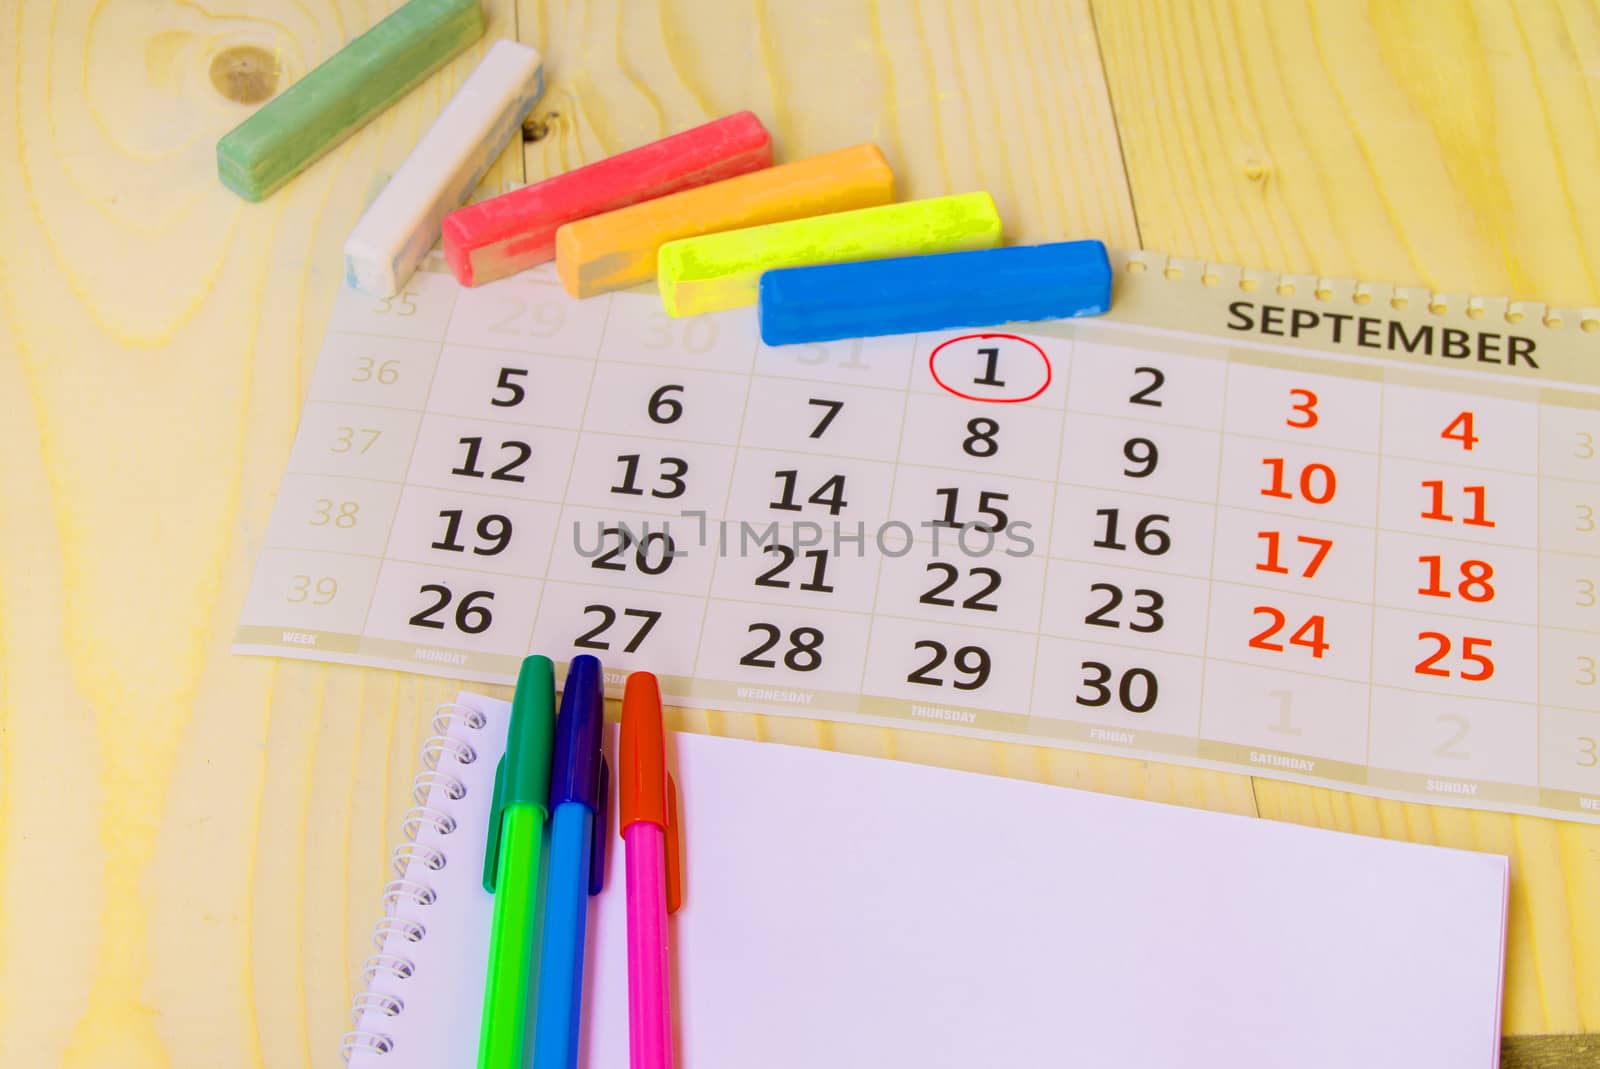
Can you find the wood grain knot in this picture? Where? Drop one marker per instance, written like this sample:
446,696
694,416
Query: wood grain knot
245,73
539,127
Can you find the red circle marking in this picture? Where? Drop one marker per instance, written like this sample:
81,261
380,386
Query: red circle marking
934,370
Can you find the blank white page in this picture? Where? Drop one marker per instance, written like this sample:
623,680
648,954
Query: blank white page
845,911
848,911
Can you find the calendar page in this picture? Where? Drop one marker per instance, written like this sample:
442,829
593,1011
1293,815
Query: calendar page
1293,527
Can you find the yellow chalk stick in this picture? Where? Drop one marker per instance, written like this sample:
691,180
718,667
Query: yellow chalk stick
718,271
618,249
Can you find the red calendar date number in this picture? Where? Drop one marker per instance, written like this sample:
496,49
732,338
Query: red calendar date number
1304,415
1308,560
1471,583
1471,653
1440,497
1315,483
1459,430
1308,635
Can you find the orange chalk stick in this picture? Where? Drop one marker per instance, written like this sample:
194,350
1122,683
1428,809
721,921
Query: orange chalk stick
618,249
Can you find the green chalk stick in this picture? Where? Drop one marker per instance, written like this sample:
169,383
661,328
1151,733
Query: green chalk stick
342,94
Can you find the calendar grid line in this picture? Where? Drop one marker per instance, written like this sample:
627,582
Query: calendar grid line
802,378
1377,553
1538,601
342,332
476,418
1211,565
572,464
407,484
877,581
411,456
1560,707
343,402
1055,504
727,497
514,351
1379,454
1471,698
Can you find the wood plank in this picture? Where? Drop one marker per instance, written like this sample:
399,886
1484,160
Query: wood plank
177,825
1426,144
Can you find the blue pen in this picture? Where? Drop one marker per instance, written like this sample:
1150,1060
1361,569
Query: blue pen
577,868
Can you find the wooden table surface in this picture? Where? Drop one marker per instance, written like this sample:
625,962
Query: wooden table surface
192,844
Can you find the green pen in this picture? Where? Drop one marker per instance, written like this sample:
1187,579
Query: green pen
512,860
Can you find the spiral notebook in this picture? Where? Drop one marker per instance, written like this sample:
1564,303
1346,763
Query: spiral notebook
849,911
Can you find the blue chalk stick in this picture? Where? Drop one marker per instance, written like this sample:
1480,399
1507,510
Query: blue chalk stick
910,294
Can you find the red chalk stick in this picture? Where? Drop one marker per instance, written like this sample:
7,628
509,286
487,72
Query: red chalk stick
517,230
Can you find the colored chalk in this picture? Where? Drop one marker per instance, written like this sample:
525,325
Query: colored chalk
718,271
912,294
337,98
403,222
618,249
515,231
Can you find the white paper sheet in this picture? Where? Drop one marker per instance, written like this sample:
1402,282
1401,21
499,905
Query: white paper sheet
845,911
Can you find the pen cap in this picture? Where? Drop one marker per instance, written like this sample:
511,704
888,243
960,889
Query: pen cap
597,842
575,766
523,774
491,849
645,790
642,758
531,734
674,851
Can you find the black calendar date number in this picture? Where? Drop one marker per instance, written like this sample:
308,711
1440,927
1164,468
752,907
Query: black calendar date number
493,534
829,495
471,617
800,650
653,552
984,582
1135,689
508,471
1142,616
644,621
1147,534
971,665
669,475
992,518
777,575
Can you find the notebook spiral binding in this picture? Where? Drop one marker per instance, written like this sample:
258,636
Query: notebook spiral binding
406,889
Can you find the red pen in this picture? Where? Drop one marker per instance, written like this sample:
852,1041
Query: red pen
649,806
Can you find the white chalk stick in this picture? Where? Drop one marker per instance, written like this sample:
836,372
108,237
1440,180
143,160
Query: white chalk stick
401,225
